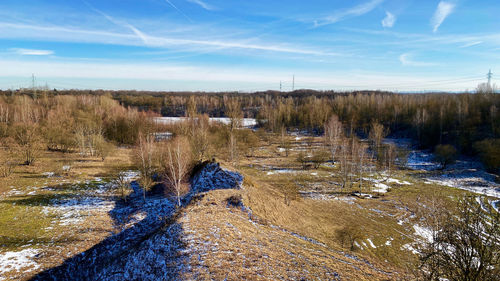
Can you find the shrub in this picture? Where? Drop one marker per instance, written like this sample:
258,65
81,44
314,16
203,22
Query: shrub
489,152
445,154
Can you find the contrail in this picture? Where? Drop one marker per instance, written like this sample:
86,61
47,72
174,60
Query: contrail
178,10
136,31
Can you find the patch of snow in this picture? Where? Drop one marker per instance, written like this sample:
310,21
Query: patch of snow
314,174
409,247
18,261
245,122
496,205
396,181
49,174
381,188
371,243
424,232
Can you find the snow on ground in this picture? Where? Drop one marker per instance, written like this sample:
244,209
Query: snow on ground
212,176
466,173
381,188
371,243
475,181
424,232
21,261
76,209
281,171
246,122
496,205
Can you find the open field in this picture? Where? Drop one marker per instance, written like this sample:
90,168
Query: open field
289,217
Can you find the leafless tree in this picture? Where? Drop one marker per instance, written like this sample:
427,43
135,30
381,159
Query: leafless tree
359,153
176,165
145,161
345,157
28,141
333,134
465,245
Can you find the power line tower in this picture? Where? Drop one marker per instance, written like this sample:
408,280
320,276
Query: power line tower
33,85
489,75
293,83
280,86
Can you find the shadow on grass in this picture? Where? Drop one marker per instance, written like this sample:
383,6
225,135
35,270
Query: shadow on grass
150,248
114,252
9,242
37,199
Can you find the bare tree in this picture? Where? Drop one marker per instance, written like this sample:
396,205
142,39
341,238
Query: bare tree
285,141
176,164
199,138
144,160
465,245
233,111
121,181
359,154
377,133
28,141
333,134
345,157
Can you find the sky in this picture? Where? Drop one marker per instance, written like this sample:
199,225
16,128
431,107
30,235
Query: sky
217,45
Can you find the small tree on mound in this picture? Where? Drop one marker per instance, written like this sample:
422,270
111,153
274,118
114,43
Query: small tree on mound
176,164
445,154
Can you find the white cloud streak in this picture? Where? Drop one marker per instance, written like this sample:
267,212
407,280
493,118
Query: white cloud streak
178,10
355,11
64,34
471,44
444,9
406,59
202,4
389,20
32,52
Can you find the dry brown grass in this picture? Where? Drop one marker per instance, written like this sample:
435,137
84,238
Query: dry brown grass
235,247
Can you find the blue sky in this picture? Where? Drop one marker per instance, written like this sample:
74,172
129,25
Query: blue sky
403,45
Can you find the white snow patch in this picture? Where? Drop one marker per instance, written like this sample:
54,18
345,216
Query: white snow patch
371,243
401,182
381,188
409,247
22,260
245,122
424,232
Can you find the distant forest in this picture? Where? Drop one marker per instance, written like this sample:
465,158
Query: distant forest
469,122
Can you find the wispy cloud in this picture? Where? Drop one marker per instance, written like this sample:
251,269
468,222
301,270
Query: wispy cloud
32,52
407,60
178,10
389,20
471,44
355,11
202,4
444,9
66,34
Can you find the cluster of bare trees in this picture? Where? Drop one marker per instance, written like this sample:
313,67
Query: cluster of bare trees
349,152
168,162
88,125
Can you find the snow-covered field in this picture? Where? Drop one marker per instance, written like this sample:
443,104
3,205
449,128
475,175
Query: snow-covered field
246,122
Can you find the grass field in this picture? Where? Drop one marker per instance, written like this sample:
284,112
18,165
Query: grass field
287,228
